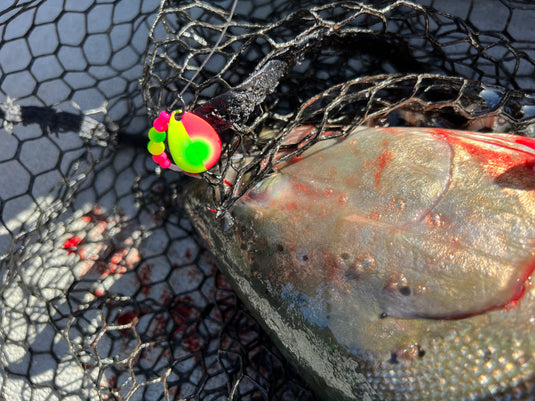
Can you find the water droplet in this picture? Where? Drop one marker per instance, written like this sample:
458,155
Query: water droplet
398,204
383,122
329,191
397,282
343,199
419,290
435,220
365,262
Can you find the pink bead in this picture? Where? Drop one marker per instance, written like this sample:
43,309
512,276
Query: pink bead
160,158
165,116
166,163
160,125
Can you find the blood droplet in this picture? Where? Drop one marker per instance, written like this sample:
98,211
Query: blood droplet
382,161
126,318
71,244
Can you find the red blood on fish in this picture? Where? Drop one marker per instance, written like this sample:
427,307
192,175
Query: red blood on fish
493,156
381,161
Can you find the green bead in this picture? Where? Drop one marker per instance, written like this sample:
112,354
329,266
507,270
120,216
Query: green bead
156,136
156,148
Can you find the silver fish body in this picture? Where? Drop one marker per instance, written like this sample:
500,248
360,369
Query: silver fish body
394,264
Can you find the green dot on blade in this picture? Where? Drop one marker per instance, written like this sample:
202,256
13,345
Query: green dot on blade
197,152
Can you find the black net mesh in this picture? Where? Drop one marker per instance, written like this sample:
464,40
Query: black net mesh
105,292
336,66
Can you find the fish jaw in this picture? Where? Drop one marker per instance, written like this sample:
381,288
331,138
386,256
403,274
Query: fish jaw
395,245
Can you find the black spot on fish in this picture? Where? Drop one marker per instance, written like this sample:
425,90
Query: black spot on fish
280,248
406,291
345,256
305,258
383,315
421,352
393,358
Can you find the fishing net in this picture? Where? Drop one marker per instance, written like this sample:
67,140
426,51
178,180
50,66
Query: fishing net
105,291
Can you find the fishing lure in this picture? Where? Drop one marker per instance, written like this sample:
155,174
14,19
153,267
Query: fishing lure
193,143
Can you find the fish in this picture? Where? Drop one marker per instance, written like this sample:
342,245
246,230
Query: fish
392,263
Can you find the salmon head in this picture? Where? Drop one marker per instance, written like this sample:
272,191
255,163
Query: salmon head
393,264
